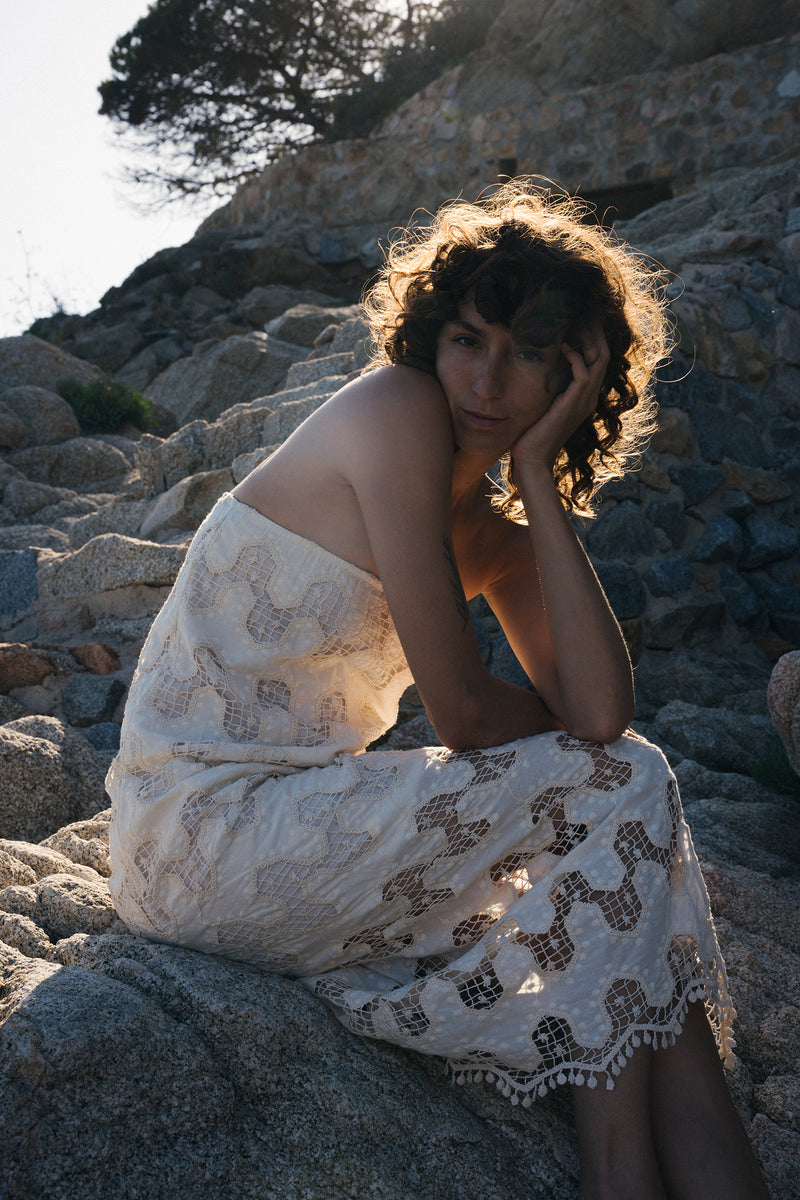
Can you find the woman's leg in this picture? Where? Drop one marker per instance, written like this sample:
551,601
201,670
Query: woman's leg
618,1160
702,1148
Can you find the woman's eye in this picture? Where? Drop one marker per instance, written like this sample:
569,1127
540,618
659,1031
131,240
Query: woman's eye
530,355
465,339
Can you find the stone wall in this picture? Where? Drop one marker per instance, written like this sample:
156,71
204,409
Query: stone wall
659,132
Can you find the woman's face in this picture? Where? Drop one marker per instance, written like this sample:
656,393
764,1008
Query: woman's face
496,387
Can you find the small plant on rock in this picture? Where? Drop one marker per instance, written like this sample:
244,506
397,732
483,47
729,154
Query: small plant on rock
104,406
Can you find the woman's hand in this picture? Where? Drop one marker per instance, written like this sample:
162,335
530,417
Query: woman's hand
543,441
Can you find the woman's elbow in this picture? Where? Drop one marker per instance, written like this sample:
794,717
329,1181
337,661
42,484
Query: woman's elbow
600,727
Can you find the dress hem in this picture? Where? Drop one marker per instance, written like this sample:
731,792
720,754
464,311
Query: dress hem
522,1088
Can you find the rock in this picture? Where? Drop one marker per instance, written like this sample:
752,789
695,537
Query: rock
12,431
29,361
675,433
118,516
185,505
622,533
140,370
742,600
715,737
18,582
84,843
91,699
350,337
764,487
668,513
25,498
767,541
104,736
228,372
47,417
109,346
96,657
20,666
669,576
107,562
726,436
736,504
84,464
12,871
34,537
623,588
783,701
411,735
49,776
41,861
243,464
11,709
310,371
683,620
703,677
722,541
349,1119
263,304
696,481
62,904
779,1098
303,323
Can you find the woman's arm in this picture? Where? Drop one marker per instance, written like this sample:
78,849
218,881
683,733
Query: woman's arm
558,621
550,603
394,444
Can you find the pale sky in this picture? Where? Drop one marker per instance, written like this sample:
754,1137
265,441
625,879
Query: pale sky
68,228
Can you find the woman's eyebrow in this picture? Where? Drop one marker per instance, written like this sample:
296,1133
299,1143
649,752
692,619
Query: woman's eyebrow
467,325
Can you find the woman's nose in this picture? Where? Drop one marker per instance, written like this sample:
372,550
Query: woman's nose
488,380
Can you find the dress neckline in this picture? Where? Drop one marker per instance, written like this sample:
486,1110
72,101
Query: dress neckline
337,558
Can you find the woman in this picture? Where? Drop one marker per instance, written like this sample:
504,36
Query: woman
524,899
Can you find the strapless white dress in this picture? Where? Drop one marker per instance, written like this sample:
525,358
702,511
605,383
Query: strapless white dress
531,912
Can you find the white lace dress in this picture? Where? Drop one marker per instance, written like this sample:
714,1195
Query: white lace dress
531,912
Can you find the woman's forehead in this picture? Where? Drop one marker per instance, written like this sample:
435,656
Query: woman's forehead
541,324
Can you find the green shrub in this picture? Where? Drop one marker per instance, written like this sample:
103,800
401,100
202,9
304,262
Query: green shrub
104,406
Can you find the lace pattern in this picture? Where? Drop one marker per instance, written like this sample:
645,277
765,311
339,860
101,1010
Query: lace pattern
530,912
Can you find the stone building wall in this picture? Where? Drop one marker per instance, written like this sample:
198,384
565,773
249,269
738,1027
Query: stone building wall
639,139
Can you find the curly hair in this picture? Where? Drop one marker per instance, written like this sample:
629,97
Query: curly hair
528,258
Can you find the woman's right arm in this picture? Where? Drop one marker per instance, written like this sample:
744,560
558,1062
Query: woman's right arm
394,444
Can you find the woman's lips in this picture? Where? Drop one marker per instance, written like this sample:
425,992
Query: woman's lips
482,420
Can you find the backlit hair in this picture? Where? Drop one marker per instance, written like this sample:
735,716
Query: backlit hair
529,259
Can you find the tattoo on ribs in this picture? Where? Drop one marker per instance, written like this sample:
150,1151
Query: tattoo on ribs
462,608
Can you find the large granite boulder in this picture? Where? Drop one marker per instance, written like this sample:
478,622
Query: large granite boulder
231,371
28,361
783,699
144,1067
46,417
49,776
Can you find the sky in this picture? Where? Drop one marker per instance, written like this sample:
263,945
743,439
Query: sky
69,224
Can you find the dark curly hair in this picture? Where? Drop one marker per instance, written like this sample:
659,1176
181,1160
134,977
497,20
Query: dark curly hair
529,259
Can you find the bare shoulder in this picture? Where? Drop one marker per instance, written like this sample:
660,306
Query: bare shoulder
389,398
389,424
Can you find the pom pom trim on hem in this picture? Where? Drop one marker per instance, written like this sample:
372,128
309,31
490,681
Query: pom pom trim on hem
521,1088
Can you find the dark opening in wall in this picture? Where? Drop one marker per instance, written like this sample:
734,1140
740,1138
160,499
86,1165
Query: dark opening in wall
506,168
628,200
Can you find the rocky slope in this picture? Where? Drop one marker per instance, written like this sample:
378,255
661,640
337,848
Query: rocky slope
132,1067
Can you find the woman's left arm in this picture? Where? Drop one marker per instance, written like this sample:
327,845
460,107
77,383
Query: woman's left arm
548,598
559,624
